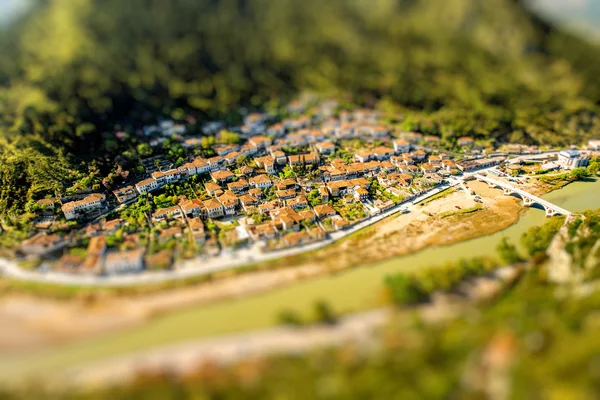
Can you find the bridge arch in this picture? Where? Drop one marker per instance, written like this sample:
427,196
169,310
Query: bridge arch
528,199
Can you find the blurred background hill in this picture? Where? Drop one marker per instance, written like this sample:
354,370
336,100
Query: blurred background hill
70,72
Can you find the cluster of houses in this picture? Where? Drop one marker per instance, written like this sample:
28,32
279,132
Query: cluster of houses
249,187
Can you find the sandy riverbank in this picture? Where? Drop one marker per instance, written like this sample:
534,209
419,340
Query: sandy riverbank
36,323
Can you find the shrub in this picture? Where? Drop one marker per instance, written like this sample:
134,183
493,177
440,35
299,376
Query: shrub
415,288
289,317
324,313
508,252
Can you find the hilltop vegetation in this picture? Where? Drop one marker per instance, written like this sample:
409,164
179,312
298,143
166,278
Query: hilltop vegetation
69,75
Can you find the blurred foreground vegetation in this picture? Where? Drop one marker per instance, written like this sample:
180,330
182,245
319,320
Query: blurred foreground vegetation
71,75
538,339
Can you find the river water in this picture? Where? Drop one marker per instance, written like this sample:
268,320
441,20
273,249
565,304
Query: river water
347,291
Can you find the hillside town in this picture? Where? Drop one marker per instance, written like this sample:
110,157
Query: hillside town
274,182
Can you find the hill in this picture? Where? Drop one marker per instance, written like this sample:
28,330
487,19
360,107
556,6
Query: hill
68,75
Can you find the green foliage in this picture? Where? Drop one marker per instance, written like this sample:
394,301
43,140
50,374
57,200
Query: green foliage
287,172
404,290
416,287
324,313
289,317
353,211
207,142
144,149
174,151
135,214
162,201
537,239
68,74
314,197
556,180
579,173
229,137
574,226
258,218
544,338
508,252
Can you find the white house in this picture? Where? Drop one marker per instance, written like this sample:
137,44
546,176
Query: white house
594,144
260,181
572,159
214,209
167,212
125,194
147,185
325,147
401,146
73,208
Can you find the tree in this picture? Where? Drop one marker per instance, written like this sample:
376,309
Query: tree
594,167
324,313
258,218
579,173
241,160
207,142
287,172
537,239
403,289
229,137
508,252
289,317
314,197
144,149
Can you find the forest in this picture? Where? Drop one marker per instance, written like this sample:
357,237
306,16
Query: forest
70,76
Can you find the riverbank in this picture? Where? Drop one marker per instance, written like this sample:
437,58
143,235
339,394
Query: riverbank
398,235
190,272
349,291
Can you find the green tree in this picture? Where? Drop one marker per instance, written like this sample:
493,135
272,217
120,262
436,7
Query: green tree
404,290
229,137
324,313
287,172
508,251
537,239
289,317
207,142
144,149
241,160
579,173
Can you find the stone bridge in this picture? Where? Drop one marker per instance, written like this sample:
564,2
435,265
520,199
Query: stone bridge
528,198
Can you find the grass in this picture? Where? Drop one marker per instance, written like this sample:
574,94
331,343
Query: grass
556,180
436,196
90,293
29,264
462,211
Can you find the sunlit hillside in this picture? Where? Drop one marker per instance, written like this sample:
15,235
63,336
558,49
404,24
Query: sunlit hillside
489,69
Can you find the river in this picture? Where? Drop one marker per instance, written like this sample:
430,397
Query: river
347,291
